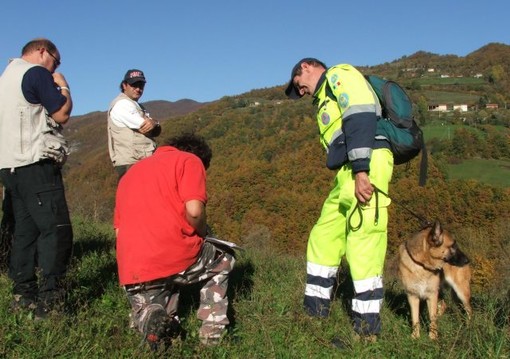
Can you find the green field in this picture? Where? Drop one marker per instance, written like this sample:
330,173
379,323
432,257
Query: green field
453,95
446,131
450,81
442,132
493,172
450,97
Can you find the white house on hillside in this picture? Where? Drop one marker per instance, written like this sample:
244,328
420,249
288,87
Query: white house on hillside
440,107
445,107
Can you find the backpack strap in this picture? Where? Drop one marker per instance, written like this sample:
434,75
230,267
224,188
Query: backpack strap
329,92
423,166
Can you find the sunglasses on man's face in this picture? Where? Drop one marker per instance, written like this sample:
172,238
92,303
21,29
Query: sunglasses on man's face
55,60
139,85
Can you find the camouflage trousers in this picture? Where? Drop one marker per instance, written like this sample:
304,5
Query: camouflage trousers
213,266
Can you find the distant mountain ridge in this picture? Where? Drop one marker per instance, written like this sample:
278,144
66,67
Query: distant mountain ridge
485,60
159,109
163,110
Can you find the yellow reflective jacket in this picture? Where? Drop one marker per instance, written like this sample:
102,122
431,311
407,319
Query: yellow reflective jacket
347,111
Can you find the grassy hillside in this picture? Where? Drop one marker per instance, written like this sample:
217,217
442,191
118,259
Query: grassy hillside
441,132
267,319
439,81
449,97
493,172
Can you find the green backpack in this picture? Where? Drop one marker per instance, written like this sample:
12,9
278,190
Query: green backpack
397,123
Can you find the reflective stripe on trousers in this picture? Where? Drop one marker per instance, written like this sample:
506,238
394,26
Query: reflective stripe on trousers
320,281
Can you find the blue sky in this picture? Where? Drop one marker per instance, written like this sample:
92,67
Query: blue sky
204,50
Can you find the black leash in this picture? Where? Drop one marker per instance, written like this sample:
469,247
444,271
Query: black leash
424,221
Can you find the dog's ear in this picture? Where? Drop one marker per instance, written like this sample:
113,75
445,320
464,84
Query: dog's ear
435,235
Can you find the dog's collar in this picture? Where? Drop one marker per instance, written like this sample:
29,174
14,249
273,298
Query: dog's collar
435,270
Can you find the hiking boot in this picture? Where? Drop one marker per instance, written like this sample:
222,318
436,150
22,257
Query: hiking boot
340,343
211,334
156,328
209,342
21,302
43,310
174,328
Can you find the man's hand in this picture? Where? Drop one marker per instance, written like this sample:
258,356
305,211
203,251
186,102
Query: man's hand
63,114
363,189
57,154
60,80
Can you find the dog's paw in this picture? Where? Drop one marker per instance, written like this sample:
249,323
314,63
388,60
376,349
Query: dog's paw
441,307
416,332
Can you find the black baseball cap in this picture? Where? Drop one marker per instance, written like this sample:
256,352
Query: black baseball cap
291,91
132,76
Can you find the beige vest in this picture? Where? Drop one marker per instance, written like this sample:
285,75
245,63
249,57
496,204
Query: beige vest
26,131
127,146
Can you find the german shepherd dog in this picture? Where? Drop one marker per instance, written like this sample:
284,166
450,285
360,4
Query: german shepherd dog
428,259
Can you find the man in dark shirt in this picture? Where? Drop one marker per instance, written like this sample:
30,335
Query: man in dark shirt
34,103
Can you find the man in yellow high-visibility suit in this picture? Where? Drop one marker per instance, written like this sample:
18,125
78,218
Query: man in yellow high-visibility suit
354,217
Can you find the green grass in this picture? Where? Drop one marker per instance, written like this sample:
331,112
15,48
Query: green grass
442,132
493,172
450,81
447,97
266,292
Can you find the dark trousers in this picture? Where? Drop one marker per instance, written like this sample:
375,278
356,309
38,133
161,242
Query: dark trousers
6,230
121,170
43,234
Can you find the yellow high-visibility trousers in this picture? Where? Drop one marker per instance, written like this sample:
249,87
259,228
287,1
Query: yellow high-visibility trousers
357,232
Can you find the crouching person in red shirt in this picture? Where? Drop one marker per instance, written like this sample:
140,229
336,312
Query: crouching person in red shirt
160,223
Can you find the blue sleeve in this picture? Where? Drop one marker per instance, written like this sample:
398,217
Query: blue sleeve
359,131
39,88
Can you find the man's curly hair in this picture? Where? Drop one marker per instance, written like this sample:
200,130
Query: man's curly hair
193,143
